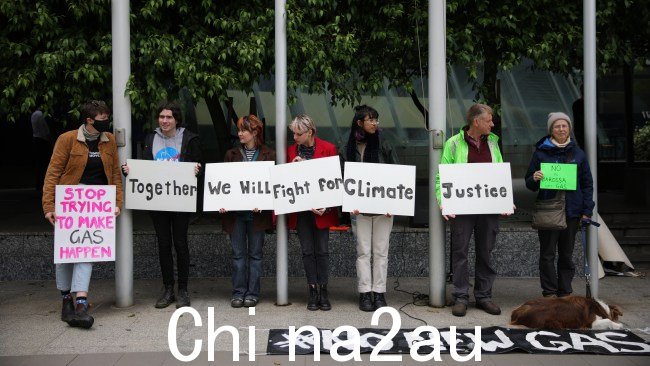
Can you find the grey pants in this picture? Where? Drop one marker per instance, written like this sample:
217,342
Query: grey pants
485,229
74,277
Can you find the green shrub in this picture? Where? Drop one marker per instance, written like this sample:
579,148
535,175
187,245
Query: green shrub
642,143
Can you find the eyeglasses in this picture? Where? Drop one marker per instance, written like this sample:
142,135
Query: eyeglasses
372,121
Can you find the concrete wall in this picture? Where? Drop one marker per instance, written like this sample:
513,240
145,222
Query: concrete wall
28,256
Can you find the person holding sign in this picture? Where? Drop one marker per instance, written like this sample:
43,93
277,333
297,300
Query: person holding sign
313,227
172,142
365,145
558,148
86,156
475,143
246,228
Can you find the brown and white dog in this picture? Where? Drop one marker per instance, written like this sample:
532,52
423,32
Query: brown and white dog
569,312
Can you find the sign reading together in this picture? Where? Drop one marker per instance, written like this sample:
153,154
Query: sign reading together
85,224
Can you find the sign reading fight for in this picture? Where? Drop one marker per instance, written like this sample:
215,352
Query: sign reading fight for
304,185
85,224
238,186
482,188
559,176
160,186
379,188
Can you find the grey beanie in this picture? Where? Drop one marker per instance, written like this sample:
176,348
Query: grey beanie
554,116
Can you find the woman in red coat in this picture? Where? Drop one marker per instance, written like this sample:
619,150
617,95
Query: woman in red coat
313,226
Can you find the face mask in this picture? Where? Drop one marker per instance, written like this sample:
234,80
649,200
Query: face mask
102,125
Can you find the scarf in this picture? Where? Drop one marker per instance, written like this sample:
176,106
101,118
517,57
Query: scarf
89,136
554,142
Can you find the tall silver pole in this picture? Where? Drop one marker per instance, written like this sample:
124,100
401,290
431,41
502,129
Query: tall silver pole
589,35
121,43
437,125
282,270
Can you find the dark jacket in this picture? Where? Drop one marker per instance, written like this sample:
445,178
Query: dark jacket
323,149
262,220
579,202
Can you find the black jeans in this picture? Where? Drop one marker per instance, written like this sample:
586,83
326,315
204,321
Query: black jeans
171,228
485,229
557,283
313,241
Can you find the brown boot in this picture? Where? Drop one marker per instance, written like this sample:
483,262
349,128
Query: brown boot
81,319
67,309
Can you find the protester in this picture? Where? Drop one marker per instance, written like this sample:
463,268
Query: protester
247,228
366,145
172,142
558,147
473,144
85,156
313,226
42,144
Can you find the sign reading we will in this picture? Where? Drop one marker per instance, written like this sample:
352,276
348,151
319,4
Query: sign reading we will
559,176
238,186
85,224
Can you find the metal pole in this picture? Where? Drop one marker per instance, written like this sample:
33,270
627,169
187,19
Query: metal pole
589,35
122,121
437,125
282,270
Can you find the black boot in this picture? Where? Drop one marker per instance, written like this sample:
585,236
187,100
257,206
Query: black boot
183,298
167,298
380,301
312,303
365,302
81,319
324,302
67,310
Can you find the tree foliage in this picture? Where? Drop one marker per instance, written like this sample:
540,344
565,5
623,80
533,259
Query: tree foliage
57,53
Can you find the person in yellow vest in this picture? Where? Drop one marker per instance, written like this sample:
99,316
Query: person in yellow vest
475,143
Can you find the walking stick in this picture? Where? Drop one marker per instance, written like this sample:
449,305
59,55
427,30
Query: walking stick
584,223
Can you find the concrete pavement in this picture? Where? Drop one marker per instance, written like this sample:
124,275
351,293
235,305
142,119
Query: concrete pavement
33,334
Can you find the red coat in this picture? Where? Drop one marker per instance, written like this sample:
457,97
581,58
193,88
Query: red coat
331,216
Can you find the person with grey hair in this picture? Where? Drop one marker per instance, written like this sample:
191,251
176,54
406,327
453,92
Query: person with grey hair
558,147
475,143
313,226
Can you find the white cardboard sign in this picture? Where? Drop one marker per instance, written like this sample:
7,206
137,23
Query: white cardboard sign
379,188
160,186
85,224
304,185
481,188
238,186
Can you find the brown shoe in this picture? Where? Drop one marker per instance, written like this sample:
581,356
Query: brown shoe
459,309
81,319
489,307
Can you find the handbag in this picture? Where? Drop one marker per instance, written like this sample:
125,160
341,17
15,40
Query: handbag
550,214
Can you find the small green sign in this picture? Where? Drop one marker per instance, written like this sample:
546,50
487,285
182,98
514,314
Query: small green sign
559,176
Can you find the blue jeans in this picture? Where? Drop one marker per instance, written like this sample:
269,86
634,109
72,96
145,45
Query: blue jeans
246,260
74,277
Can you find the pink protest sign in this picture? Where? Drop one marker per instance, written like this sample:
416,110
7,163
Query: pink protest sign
85,224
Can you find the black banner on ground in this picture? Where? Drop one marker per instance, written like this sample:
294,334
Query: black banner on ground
493,340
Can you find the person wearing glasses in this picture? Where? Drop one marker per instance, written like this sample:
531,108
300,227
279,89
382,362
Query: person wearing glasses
85,156
172,142
247,228
313,226
366,145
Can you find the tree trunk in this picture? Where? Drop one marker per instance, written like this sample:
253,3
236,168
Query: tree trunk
220,127
421,108
492,92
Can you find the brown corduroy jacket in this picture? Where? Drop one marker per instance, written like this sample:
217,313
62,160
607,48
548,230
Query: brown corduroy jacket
69,160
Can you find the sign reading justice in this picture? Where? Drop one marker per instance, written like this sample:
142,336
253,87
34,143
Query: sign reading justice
85,224
238,186
481,188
